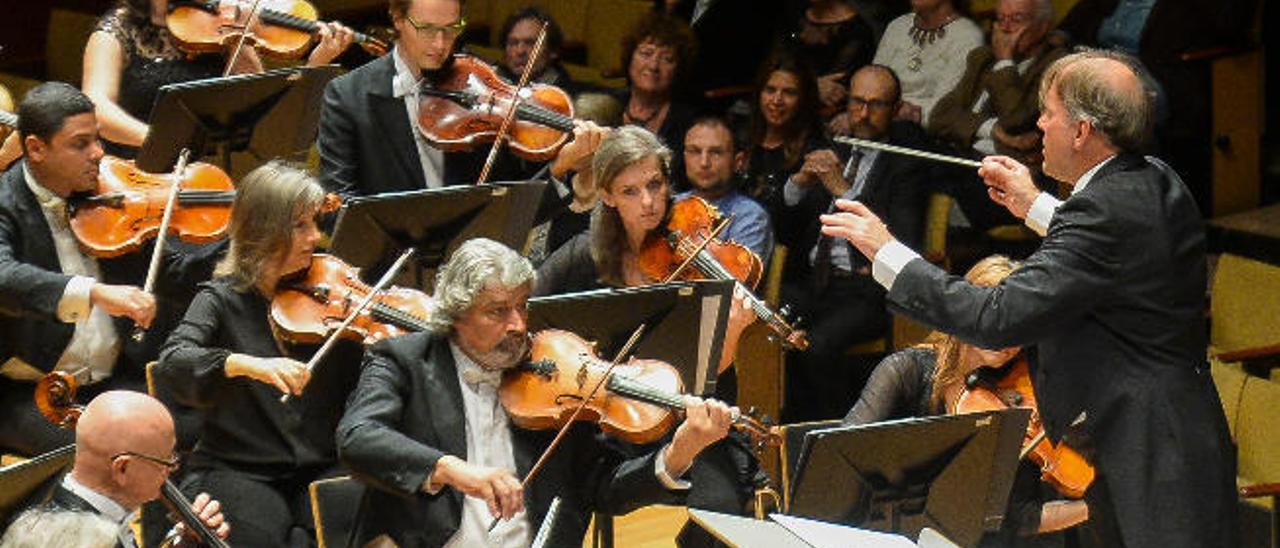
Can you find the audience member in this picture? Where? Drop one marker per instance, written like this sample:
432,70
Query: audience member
826,282
713,158
657,56
783,126
926,49
834,40
520,34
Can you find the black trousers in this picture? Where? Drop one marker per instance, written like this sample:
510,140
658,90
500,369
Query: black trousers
262,511
821,382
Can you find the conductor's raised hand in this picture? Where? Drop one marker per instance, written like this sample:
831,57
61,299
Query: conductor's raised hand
1009,184
857,224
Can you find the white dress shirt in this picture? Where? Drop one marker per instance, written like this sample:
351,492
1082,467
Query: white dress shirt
488,435
405,84
94,344
894,256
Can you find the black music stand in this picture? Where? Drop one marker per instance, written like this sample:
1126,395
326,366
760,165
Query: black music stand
372,231
950,473
30,482
269,115
684,324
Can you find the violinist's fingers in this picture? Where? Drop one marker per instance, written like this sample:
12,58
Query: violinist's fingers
511,494
490,498
276,379
223,530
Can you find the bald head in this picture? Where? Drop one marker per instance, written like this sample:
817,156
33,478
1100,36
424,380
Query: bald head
121,422
1109,91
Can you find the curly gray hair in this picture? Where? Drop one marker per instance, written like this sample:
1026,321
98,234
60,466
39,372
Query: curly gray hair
479,263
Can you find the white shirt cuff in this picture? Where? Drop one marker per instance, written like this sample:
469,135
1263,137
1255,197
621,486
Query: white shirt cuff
890,261
660,470
75,302
1041,213
792,193
1003,63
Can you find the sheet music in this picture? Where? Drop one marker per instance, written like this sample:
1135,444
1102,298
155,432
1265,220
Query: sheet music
821,534
710,312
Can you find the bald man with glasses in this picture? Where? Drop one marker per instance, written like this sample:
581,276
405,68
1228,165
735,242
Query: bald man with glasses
124,453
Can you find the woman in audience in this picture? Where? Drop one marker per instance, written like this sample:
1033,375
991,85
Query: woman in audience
784,125
927,49
834,40
131,54
928,379
257,454
657,54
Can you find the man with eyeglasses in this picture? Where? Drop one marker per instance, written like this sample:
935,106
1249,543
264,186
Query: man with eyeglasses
827,283
369,140
993,109
124,453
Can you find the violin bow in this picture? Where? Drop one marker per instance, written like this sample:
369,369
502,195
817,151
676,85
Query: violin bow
363,304
515,105
244,35
851,141
157,252
617,358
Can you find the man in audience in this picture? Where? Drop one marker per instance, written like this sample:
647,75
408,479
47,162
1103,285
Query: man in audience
829,285
994,107
520,34
712,161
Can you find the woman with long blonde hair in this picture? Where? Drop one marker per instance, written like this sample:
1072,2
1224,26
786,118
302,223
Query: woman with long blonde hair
928,379
257,453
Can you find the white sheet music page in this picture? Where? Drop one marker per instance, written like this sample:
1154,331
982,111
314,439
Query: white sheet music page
821,534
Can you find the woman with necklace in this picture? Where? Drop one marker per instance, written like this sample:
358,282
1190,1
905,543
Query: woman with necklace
927,49
657,54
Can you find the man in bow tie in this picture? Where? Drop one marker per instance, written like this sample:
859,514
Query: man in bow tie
425,427
62,309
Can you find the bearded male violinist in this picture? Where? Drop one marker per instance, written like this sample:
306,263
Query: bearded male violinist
369,141
63,309
1111,307
425,428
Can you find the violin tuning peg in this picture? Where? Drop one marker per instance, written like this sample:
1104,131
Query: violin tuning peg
785,311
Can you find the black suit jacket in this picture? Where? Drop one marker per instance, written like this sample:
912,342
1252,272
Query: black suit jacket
32,282
367,146
897,191
406,413
1112,304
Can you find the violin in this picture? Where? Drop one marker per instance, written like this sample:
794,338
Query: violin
690,225
281,28
1060,465
466,103
635,404
55,397
306,310
128,207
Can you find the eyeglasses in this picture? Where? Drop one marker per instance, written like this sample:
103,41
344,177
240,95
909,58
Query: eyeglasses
429,31
1013,18
172,463
872,104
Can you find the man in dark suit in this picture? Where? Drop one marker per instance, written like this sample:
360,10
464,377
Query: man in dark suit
124,453
824,275
369,142
1111,307
60,308
425,428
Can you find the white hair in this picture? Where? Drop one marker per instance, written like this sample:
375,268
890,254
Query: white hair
43,527
479,263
